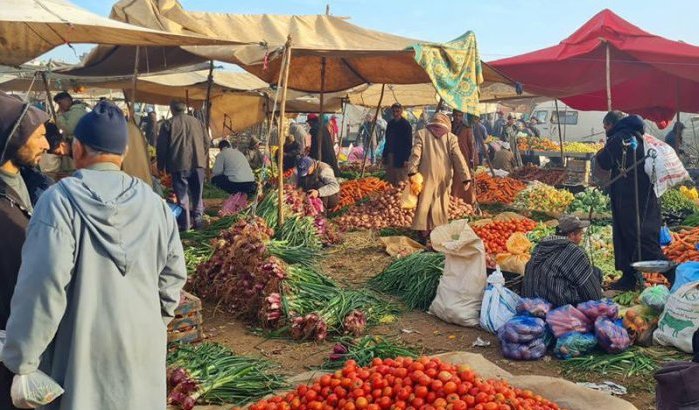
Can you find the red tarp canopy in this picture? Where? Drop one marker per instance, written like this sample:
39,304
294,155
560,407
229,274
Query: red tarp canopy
650,75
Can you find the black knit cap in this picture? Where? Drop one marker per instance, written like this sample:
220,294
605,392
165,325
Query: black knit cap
11,110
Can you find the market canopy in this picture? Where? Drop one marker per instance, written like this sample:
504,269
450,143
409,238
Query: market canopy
353,55
649,75
29,28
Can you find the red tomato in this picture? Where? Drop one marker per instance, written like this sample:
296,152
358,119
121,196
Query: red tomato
436,385
384,402
362,403
421,392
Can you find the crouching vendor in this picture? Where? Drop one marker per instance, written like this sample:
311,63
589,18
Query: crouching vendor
318,180
559,270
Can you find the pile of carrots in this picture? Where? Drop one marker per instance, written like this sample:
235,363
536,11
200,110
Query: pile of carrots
491,189
683,246
357,189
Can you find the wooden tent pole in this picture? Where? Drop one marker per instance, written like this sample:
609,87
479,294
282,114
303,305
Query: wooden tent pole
319,150
134,86
373,128
342,125
560,134
280,148
609,78
207,119
48,96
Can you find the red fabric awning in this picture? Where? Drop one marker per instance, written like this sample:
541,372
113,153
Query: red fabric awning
650,75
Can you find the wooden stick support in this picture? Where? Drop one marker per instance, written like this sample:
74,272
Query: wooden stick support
280,148
373,127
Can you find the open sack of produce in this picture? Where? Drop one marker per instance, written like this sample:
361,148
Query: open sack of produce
680,319
461,287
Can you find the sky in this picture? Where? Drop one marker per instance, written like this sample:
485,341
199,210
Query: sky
503,27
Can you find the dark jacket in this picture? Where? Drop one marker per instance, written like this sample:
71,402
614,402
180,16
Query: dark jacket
183,144
14,219
622,194
561,273
327,154
399,141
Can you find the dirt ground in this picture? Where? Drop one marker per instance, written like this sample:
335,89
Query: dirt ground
359,258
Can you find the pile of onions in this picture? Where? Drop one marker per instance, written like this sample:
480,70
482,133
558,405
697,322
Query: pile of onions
384,211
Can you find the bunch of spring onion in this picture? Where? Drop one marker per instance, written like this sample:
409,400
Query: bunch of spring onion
413,278
316,305
210,373
364,350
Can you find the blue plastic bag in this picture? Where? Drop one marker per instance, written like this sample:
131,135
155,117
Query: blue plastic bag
574,344
522,329
655,297
499,303
685,273
176,209
536,307
534,350
611,336
665,236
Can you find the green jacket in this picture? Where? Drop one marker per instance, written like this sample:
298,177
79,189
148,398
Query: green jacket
68,120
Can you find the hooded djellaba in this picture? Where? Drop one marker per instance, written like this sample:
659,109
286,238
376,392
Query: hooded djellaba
618,156
437,157
101,275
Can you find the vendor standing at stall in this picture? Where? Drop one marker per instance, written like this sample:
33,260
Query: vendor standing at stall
560,271
467,145
623,149
437,157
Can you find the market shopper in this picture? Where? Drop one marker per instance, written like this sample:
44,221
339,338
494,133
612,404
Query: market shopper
183,151
499,125
300,135
318,180
136,161
480,134
101,275
399,143
19,150
254,155
559,270
327,148
531,128
437,157
674,137
504,159
69,113
623,148
232,172
509,134
467,145
151,127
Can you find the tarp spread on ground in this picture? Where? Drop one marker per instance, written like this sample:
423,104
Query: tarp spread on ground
650,75
31,28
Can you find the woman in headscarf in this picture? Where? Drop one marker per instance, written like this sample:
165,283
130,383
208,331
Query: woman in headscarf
437,157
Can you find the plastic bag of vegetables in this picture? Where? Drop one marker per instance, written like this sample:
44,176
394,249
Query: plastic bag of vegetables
522,329
599,308
568,319
34,390
611,336
517,255
639,321
574,344
499,303
536,307
655,297
534,350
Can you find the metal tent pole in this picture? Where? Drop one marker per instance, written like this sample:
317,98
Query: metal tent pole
280,149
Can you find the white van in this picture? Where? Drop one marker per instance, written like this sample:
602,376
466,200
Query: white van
586,126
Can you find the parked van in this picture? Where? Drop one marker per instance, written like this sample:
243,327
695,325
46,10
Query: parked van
586,126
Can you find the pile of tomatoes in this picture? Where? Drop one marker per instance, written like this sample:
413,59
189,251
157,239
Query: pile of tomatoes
404,383
495,234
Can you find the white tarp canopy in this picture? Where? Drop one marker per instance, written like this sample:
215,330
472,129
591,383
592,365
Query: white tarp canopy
29,28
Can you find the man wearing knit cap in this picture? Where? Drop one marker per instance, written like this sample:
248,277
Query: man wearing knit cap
101,275
22,143
183,150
